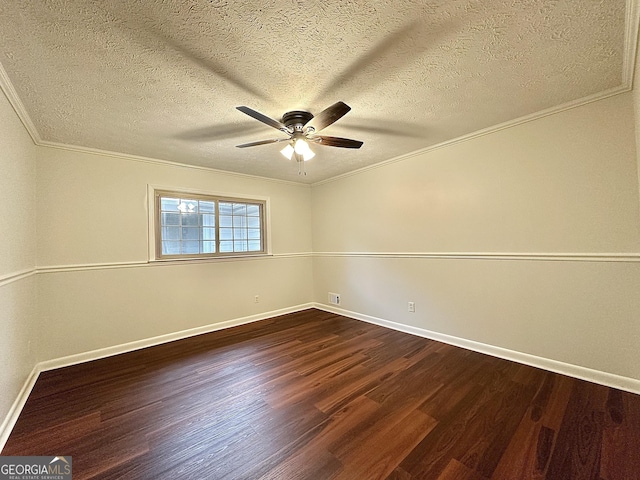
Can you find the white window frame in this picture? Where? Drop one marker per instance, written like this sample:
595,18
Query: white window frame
153,208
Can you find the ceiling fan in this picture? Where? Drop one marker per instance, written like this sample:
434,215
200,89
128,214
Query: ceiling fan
301,128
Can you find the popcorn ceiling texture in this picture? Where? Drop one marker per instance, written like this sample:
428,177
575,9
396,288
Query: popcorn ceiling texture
162,78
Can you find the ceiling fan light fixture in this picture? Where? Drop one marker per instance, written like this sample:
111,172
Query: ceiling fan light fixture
300,126
287,151
301,147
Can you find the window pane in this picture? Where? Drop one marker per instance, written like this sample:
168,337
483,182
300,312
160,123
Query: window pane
225,208
171,233
207,207
208,234
190,247
190,219
208,220
239,221
170,219
226,221
170,248
239,208
190,233
203,225
170,204
188,206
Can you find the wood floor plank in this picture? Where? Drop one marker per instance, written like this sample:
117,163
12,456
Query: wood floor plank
314,395
435,451
371,378
398,474
458,471
529,450
338,426
495,428
579,442
380,450
621,437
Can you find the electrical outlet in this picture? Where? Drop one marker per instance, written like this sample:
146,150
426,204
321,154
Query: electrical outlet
256,299
412,307
334,298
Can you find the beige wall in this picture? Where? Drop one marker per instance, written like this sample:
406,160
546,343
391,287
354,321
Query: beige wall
636,106
18,324
86,310
557,187
563,183
92,217
93,208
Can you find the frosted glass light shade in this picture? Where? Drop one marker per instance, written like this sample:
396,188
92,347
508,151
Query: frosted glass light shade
301,147
287,151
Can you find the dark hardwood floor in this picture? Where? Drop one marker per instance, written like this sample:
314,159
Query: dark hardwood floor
313,395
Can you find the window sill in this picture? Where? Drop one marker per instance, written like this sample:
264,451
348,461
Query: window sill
224,258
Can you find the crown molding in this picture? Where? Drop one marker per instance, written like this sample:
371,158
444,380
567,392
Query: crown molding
632,22
157,161
10,92
486,131
12,96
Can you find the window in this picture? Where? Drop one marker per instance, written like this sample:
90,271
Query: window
193,225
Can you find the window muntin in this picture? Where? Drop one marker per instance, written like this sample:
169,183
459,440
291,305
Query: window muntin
190,225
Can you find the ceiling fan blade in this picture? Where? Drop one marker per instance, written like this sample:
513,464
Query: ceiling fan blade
262,142
336,141
328,116
263,118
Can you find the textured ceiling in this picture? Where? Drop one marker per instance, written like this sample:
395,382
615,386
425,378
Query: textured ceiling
162,79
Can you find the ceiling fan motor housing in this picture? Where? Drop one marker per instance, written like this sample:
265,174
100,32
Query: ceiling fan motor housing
296,119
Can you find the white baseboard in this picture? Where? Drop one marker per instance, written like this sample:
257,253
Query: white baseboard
160,339
12,417
583,373
16,408
608,379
